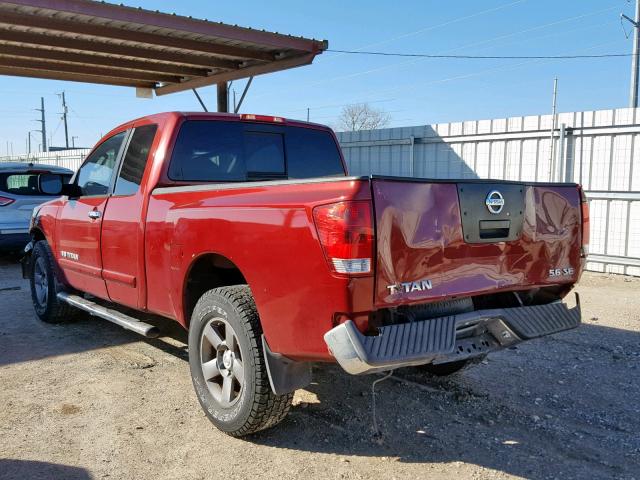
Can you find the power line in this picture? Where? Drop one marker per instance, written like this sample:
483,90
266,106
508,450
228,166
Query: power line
401,64
533,29
440,25
483,57
335,105
422,84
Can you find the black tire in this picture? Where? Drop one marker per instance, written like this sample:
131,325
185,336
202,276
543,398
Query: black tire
444,369
248,406
45,285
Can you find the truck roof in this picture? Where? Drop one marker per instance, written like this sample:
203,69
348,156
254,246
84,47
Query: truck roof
157,117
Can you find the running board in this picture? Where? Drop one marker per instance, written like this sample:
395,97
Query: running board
125,321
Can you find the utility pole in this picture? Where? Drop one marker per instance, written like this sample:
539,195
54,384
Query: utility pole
307,114
29,137
64,119
43,125
73,141
635,22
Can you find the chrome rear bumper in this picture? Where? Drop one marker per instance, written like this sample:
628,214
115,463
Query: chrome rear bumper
446,339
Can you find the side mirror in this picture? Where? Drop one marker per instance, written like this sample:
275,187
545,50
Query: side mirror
50,183
71,190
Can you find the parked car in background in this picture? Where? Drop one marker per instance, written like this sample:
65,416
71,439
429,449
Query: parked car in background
20,192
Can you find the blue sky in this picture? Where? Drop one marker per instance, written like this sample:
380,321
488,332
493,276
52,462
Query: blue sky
413,91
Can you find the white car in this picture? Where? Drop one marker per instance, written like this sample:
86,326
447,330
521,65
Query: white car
20,192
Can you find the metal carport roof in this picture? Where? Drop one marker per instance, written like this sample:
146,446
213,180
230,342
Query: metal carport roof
97,42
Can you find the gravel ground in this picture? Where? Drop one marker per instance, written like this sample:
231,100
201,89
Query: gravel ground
90,400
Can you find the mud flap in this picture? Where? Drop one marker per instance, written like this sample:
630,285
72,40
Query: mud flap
25,260
285,375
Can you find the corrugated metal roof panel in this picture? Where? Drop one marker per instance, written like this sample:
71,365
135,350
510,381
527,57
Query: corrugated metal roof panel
83,33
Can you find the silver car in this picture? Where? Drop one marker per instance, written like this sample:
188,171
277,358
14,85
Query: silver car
20,192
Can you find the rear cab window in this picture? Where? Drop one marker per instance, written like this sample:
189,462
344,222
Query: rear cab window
264,154
219,151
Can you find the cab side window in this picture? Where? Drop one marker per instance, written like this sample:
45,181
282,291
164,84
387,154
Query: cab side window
208,151
135,160
94,177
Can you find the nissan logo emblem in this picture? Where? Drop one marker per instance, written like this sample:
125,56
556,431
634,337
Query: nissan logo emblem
494,202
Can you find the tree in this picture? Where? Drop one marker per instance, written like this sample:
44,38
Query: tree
361,116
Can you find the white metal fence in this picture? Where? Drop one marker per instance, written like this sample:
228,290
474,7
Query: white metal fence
599,149
65,158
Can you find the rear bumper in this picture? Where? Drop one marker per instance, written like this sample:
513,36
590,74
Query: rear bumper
446,339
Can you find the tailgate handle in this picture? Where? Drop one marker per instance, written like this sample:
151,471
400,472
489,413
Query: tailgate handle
494,228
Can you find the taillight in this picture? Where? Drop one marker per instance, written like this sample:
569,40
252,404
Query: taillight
4,201
345,230
584,208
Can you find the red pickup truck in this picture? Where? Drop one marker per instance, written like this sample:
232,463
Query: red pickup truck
247,230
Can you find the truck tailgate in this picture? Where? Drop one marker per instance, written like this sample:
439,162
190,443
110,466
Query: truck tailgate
444,239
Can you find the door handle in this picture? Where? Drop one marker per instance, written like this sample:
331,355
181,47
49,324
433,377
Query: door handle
95,214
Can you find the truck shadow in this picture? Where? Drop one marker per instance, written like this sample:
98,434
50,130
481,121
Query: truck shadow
562,407
14,469
24,338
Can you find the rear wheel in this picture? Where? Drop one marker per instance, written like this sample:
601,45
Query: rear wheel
227,363
444,369
45,286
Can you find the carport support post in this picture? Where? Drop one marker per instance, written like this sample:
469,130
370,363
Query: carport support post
223,96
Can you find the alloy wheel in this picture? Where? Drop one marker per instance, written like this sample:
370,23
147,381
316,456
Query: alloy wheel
221,362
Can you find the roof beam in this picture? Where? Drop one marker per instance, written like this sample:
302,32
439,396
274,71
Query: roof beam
255,70
163,20
74,77
113,49
106,31
86,70
101,61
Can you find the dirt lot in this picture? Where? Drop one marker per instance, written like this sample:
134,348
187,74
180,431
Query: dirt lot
90,400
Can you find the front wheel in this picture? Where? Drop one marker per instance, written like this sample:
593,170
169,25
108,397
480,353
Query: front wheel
227,363
45,286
